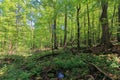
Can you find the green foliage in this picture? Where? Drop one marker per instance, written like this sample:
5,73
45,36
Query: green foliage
24,67
26,26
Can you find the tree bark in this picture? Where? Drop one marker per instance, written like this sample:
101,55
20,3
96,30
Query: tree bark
65,31
112,21
88,15
78,27
54,34
118,31
105,39
93,29
85,38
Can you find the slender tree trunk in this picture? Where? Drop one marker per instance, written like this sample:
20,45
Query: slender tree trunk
65,31
78,27
89,30
85,38
54,35
112,20
105,39
5,42
61,41
99,31
72,31
118,31
93,29
17,27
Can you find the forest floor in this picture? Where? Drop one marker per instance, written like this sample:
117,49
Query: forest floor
48,66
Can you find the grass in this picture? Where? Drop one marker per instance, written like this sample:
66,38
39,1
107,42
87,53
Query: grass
32,66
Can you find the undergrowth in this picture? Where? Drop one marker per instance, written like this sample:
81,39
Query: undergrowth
73,66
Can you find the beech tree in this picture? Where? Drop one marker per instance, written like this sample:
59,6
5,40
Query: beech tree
105,39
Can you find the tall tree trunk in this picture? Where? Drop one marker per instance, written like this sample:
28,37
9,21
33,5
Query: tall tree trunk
99,32
65,31
71,31
112,20
105,39
54,35
85,38
61,41
118,31
78,27
89,30
93,29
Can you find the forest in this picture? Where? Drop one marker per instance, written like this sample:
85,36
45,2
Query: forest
59,39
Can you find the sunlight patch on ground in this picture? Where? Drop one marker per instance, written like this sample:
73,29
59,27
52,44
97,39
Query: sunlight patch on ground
3,70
